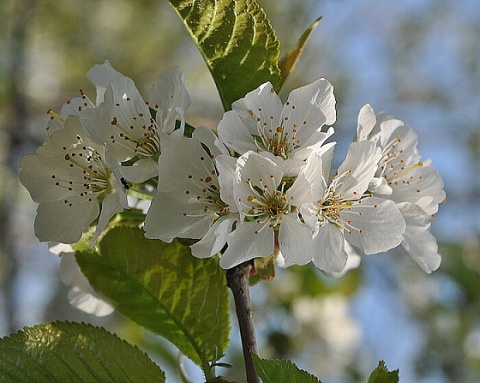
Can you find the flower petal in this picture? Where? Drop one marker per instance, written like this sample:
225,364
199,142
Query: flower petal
309,108
172,215
249,240
329,243
61,222
296,243
101,75
215,239
170,98
358,169
374,225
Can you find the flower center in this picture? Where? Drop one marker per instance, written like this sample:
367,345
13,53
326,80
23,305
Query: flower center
88,175
141,136
265,205
274,136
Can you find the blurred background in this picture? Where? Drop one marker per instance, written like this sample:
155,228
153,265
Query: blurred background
417,60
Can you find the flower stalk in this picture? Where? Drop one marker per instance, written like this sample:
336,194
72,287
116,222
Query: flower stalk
238,281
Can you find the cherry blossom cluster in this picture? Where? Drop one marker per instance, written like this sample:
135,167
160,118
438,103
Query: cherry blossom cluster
261,185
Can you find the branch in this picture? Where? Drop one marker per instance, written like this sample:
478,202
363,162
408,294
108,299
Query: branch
238,281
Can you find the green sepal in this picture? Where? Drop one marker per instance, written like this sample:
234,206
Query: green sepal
264,269
73,352
289,60
163,288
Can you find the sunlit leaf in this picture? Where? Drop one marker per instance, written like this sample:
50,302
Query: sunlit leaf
289,60
237,42
75,353
281,371
382,375
163,288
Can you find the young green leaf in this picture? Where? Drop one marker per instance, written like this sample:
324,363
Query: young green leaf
163,288
72,352
382,375
236,41
289,60
281,371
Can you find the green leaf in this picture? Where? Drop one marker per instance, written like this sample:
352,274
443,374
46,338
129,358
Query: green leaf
236,41
289,60
75,353
281,371
382,375
163,288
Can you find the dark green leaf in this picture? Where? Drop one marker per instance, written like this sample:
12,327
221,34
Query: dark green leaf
382,375
75,353
237,42
289,60
163,288
281,371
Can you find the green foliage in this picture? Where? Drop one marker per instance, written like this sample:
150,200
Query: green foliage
72,352
382,375
281,371
163,288
289,60
237,42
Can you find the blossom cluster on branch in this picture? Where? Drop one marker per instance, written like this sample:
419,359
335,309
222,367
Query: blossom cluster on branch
261,185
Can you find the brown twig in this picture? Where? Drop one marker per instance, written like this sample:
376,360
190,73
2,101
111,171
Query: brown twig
238,281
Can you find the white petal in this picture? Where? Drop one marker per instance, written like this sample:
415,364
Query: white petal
358,169
101,75
309,185
207,137
420,182
379,185
366,122
353,261
110,206
423,248
233,132
248,240
182,164
172,215
81,295
262,103
170,98
226,169
376,225
296,243
142,170
60,222
215,239
330,255
309,108
314,143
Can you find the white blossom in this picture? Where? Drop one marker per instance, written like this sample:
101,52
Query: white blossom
346,212
414,185
123,120
192,199
268,199
260,122
72,183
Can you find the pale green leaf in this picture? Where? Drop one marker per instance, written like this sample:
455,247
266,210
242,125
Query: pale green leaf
72,352
163,288
382,375
237,42
289,60
281,371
